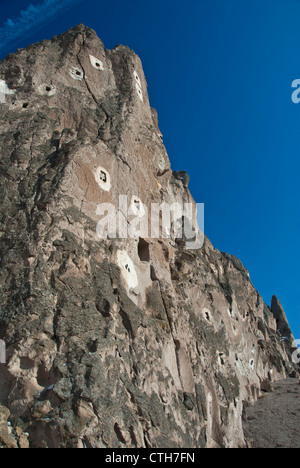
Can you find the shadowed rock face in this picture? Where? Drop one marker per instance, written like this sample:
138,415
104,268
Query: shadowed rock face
117,342
280,317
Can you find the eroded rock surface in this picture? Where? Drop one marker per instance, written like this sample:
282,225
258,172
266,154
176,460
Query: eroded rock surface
118,342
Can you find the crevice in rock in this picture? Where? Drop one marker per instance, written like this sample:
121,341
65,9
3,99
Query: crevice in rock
126,323
119,434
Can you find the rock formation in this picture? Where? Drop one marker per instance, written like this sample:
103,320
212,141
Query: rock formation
126,342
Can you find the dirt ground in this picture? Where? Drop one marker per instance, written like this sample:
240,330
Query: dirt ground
274,420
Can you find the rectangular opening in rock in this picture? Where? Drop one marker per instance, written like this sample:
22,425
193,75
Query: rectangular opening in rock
143,250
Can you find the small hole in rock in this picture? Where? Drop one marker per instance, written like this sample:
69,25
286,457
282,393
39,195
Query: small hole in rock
25,105
48,88
143,250
92,346
103,176
26,363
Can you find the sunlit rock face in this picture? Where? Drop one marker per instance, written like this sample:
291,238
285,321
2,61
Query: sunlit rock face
134,341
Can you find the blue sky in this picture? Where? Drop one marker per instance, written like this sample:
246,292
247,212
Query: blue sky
219,74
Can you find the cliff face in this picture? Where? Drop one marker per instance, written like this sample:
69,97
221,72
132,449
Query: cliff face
118,342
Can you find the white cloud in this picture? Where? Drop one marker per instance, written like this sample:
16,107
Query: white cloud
32,18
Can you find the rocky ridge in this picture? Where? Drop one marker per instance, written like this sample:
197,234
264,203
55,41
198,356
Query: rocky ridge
118,342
